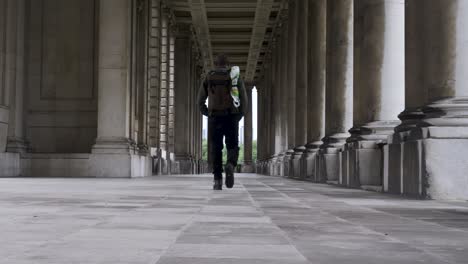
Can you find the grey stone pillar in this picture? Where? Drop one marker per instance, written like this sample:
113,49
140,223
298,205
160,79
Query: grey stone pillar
15,74
12,82
139,93
379,88
114,74
291,84
317,34
301,118
268,109
260,152
114,153
273,109
247,163
170,153
164,96
182,80
154,73
339,94
432,155
278,137
7,15
283,160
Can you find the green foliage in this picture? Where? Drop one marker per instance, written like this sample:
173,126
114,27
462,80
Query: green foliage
241,151
205,150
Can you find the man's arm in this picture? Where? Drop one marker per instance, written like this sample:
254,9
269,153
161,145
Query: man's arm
243,98
202,95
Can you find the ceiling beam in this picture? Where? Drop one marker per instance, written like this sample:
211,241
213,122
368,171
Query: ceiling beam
200,24
262,19
271,38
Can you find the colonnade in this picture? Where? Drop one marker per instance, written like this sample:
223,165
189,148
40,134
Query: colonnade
169,112
107,89
373,96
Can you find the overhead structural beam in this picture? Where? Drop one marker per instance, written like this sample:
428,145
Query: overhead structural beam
271,38
262,19
202,30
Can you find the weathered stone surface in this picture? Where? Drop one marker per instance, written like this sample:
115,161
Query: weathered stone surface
180,219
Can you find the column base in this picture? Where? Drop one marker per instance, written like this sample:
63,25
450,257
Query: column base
17,145
364,155
287,163
430,163
182,164
331,157
10,164
4,121
428,158
118,158
279,165
247,167
311,161
298,171
119,166
331,162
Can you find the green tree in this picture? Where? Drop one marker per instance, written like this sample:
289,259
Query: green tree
241,151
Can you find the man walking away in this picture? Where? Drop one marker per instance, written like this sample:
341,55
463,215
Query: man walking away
224,114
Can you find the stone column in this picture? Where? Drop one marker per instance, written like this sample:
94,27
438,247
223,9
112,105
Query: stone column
301,14
260,156
283,160
12,82
266,107
170,93
379,81
164,96
140,72
291,84
114,76
16,75
433,152
7,16
272,101
154,73
247,166
339,94
317,34
278,137
181,104
114,151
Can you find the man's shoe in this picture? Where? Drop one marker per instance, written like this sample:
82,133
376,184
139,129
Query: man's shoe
218,185
229,175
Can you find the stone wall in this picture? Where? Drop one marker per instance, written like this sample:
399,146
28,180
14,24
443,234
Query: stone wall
61,89
87,89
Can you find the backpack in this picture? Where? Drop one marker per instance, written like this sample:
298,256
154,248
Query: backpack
219,92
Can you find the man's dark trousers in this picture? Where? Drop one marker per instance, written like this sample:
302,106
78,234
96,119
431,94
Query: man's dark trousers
224,126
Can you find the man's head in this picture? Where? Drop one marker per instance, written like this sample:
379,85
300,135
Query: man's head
221,60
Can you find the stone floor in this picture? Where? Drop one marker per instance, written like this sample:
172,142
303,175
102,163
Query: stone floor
263,220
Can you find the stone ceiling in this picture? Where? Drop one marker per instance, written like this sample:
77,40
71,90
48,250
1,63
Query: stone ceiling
242,29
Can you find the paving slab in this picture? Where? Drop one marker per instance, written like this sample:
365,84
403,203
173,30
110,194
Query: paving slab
179,219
